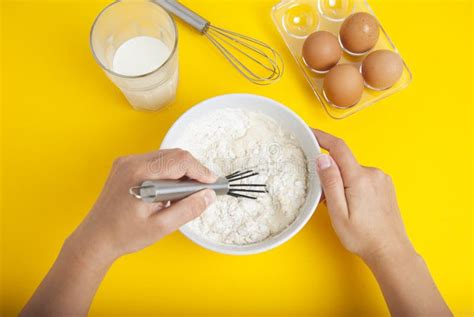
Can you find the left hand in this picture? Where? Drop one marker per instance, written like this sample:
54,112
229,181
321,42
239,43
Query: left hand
120,223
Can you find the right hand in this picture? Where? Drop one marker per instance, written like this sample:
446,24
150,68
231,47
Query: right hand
361,202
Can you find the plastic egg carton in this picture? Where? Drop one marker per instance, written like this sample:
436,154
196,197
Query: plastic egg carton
297,19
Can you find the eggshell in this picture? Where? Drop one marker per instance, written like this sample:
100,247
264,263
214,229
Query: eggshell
321,51
359,32
381,69
343,85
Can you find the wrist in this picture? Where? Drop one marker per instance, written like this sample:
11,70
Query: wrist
88,251
394,255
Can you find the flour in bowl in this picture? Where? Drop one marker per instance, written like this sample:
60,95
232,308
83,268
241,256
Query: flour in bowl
233,139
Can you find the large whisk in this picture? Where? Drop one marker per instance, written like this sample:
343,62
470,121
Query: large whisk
163,190
254,59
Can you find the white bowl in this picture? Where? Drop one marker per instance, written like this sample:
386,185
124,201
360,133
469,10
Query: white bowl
290,121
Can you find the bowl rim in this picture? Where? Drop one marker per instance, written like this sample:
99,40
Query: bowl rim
253,248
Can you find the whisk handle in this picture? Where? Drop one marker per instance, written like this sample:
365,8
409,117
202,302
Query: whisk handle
171,190
185,14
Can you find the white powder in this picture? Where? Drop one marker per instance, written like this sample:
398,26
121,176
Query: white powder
234,139
140,55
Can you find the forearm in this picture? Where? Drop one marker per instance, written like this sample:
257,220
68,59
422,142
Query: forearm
68,288
407,285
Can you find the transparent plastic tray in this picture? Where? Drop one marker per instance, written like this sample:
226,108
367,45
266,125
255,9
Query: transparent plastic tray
296,19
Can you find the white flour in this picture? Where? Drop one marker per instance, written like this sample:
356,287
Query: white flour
234,139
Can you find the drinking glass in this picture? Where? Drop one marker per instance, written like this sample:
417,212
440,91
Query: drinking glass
123,20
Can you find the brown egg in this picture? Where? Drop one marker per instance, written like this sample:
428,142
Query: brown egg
359,32
343,85
381,69
321,51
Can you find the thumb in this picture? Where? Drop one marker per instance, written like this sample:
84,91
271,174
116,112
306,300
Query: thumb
333,186
179,213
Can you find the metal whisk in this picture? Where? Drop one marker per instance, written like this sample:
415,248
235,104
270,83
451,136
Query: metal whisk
254,59
171,190
237,189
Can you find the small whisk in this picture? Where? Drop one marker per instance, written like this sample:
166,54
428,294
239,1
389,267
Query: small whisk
164,190
253,59
236,190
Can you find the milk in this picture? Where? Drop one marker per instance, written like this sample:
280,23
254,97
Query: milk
141,57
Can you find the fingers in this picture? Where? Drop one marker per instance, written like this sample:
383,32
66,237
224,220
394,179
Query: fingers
323,198
183,211
340,152
174,164
333,187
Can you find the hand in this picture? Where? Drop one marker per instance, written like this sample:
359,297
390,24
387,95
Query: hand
119,223
364,213
361,202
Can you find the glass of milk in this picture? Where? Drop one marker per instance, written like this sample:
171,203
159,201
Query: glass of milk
136,44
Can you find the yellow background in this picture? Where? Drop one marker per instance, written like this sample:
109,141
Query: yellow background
63,123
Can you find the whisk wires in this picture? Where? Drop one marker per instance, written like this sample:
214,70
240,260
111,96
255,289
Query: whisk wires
254,59
241,190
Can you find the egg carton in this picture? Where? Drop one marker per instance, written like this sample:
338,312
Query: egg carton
297,19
